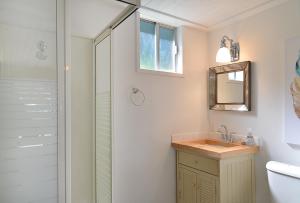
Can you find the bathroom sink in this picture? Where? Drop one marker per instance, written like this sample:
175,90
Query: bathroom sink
214,148
214,143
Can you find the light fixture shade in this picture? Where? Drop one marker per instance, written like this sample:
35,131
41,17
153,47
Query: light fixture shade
223,55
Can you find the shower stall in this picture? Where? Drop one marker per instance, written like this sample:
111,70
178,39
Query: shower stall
32,115
35,110
104,120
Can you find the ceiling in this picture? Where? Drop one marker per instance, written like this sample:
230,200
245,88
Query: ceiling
208,14
90,17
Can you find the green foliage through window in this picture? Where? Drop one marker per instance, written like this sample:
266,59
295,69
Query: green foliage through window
157,47
147,44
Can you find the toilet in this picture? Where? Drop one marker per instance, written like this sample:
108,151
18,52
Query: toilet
284,182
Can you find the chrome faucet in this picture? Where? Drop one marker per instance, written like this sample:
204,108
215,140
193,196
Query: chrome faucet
226,136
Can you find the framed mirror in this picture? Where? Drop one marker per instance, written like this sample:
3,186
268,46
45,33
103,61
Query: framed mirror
230,87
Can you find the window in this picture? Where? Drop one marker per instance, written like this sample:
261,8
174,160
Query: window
158,47
236,76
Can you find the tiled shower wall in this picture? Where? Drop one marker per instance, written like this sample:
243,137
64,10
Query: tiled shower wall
28,141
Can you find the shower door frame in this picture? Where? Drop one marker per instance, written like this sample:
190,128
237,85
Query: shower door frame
63,101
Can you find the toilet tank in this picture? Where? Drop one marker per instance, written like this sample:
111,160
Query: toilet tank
284,182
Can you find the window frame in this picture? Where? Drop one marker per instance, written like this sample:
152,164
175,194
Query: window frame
156,69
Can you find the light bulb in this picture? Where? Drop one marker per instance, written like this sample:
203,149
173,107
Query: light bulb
223,55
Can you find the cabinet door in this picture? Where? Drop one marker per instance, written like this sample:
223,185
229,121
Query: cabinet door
186,186
206,188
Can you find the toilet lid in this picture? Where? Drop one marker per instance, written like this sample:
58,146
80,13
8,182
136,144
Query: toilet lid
284,169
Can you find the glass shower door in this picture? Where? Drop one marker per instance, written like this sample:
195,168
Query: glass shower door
28,102
103,122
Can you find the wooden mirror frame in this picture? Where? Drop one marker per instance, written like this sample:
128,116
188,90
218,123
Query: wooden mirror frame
212,77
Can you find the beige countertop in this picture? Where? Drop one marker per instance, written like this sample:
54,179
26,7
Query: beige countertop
214,148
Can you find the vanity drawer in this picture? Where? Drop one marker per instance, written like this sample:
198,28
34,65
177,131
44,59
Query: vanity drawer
198,162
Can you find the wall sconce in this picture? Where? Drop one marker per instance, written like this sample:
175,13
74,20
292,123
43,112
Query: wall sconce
225,55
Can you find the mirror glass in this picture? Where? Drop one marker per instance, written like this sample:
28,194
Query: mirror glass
230,87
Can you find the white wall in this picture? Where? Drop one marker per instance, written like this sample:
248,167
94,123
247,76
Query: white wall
144,162
262,40
19,46
82,135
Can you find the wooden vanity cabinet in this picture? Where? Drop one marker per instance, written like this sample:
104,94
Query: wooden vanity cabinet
196,186
201,179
